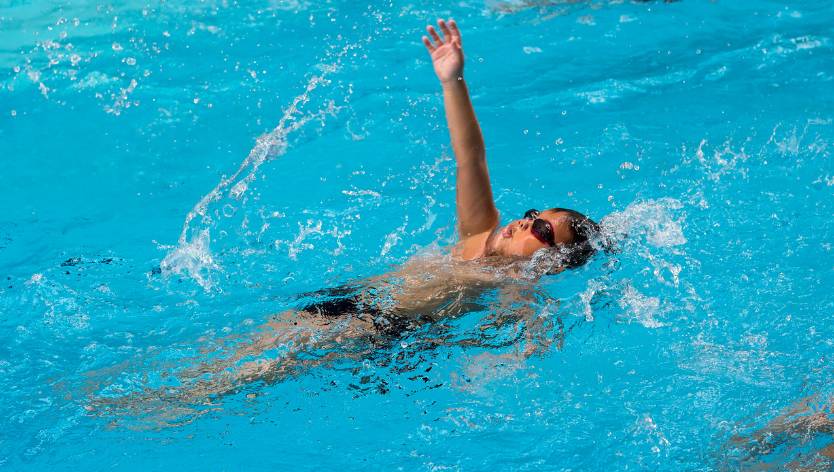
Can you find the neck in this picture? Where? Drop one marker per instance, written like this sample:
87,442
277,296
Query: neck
490,248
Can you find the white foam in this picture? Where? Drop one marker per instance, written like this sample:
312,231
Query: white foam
646,233
650,219
192,258
640,308
300,244
594,287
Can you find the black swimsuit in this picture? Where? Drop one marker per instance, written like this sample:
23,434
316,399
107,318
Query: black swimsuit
347,301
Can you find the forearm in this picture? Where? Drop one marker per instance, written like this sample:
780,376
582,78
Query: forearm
467,140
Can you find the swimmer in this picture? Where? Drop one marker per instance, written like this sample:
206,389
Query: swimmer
783,444
356,320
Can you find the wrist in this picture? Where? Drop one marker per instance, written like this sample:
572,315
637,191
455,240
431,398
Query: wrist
453,82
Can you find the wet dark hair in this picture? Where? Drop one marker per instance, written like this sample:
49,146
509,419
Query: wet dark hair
583,230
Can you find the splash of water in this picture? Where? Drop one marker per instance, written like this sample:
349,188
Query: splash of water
193,258
192,255
646,233
650,219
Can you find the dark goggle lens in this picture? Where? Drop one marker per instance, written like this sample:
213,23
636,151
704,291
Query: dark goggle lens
542,230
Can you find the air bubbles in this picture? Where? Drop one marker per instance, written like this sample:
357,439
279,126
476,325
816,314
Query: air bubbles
117,47
587,20
626,165
34,279
130,61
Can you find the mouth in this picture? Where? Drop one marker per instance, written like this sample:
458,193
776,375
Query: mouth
507,232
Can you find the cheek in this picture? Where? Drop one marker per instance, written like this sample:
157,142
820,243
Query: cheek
526,245
532,246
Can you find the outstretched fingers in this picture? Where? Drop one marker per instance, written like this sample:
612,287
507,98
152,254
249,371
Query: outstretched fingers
451,35
428,44
453,27
434,35
445,29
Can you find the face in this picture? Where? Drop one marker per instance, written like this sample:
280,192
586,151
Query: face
523,237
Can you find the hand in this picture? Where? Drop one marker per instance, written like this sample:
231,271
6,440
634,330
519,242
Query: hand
446,52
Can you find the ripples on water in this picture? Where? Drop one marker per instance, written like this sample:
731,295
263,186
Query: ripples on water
147,234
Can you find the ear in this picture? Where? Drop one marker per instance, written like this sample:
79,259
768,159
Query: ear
556,270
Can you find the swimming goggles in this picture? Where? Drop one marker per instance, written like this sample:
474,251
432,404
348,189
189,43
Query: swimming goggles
541,229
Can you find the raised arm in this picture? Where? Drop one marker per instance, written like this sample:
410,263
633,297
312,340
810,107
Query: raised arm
476,210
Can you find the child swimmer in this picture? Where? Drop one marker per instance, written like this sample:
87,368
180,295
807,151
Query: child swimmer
355,321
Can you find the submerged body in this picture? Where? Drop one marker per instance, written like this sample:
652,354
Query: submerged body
353,322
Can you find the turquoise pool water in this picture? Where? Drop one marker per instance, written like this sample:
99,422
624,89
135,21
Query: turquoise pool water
175,173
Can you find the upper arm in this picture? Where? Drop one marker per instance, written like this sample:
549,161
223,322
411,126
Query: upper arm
475,206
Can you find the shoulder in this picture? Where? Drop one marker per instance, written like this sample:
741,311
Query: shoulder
472,247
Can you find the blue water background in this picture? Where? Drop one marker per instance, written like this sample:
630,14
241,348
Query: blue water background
701,132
